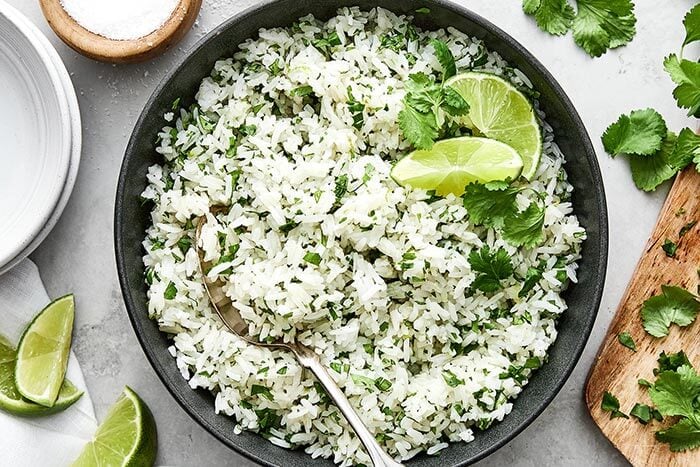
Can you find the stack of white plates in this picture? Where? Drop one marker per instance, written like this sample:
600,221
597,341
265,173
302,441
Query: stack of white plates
41,137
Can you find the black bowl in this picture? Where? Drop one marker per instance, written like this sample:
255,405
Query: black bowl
132,218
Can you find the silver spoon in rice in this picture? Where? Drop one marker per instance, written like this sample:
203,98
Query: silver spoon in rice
306,356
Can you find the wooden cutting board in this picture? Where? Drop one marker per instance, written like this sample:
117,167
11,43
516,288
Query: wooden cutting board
617,369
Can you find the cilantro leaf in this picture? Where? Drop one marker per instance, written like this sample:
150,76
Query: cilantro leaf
611,404
532,277
552,16
419,129
674,305
686,74
495,205
525,228
644,383
686,228
671,362
341,187
490,268
451,379
681,436
692,25
687,149
257,389
641,132
603,24
487,206
312,257
642,412
453,103
170,291
625,338
672,65
674,392
670,247
651,171
446,59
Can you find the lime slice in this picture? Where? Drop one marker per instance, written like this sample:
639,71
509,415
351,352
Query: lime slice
12,401
452,164
499,111
127,437
42,354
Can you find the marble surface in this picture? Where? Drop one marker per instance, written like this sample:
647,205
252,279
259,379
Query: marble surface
78,255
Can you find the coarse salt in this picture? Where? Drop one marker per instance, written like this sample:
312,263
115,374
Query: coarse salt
123,20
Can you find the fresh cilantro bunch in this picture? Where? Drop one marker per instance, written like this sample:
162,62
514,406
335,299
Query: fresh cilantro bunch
427,102
597,25
686,73
655,154
676,392
495,205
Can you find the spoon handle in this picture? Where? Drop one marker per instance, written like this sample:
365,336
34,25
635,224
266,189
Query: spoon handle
309,359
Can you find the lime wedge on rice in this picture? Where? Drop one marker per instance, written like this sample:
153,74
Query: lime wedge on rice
12,401
452,164
499,111
127,437
42,354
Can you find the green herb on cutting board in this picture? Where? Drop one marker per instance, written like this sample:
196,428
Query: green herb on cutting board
625,338
674,305
676,393
611,404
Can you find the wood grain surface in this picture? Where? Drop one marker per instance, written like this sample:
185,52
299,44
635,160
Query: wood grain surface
120,51
617,368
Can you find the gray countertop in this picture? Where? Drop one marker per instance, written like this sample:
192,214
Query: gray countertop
78,255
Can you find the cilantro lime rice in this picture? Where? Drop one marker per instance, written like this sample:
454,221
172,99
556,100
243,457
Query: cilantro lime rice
431,322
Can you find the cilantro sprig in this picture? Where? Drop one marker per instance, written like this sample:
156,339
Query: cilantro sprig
686,73
597,25
655,154
625,338
676,392
495,205
427,103
491,268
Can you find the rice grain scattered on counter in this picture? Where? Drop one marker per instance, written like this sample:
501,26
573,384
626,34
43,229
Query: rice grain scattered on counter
298,132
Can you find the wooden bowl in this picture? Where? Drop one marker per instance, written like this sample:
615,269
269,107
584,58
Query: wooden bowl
121,51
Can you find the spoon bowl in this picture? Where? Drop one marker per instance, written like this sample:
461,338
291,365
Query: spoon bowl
104,49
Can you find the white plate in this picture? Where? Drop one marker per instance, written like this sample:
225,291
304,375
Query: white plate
39,110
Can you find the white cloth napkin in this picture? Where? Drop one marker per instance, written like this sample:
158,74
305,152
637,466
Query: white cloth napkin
55,440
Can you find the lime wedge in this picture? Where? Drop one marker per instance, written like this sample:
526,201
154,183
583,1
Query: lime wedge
12,401
499,111
127,437
452,164
42,354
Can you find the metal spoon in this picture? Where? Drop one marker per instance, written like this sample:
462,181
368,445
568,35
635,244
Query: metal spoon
306,356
